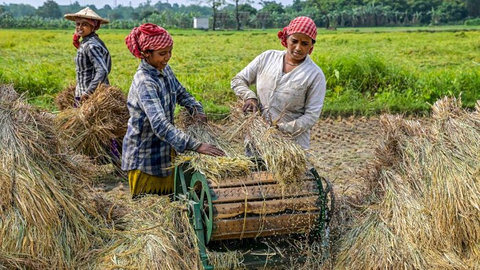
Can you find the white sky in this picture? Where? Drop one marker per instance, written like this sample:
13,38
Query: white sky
134,3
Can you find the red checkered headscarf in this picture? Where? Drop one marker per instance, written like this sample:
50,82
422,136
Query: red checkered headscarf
303,25
94,23
147,36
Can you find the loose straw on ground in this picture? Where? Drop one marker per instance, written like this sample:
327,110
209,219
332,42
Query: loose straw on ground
424,212
156,234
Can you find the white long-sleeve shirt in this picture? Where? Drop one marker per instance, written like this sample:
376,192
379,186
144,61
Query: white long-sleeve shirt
294,99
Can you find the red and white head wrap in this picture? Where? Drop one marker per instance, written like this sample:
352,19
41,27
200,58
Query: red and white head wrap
147,36
303,25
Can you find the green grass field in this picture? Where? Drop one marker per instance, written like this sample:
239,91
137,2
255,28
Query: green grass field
369,70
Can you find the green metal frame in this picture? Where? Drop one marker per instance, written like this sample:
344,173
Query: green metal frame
323,229
204,198
192,186
202,221
196,220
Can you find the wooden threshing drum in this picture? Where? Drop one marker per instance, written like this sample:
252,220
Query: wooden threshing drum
257,205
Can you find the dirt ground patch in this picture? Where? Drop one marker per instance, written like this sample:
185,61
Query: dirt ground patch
342,147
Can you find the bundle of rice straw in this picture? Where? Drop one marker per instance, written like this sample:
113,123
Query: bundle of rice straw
156,235
43,223
91,128
214,168
66,98
283,157
424,213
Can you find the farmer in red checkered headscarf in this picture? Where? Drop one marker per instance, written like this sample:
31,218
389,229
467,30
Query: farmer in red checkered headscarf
290,86
152,140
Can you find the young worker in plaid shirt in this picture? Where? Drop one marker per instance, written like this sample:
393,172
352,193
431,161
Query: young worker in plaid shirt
290,86
93,61
152,139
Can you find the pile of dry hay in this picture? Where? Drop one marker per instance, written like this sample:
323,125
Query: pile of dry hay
426,183
285,159
155,234
66,98
43,221
91,128
50,218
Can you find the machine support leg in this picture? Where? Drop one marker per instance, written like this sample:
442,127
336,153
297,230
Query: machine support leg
199,231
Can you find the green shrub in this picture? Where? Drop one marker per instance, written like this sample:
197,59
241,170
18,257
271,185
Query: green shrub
475,21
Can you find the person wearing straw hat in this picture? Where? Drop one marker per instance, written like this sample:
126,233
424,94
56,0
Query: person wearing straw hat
152,139
93,61
290,86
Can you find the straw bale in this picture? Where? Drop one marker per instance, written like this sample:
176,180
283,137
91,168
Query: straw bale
426,196
44,223
65,98
91,128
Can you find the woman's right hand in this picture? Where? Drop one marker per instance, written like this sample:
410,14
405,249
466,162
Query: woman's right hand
250,105
210,150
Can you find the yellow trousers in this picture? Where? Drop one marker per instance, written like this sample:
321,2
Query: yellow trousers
142,183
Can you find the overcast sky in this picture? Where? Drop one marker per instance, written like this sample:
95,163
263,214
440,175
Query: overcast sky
134,3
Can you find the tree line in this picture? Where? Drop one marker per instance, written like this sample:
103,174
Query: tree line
230,14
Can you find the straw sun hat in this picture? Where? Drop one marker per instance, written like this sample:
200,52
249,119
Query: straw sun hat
86,13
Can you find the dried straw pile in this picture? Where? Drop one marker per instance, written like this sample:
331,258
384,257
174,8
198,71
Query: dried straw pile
43,222
425,212
283,157
90,129
155,234
65,98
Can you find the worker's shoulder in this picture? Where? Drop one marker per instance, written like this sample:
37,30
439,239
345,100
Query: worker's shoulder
272,53
314,67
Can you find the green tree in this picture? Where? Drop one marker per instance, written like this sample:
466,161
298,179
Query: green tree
49,9
452,11
297,6
72,8
19,10
247,8
238,10
214,5
272,6
159,6
324,7
473,7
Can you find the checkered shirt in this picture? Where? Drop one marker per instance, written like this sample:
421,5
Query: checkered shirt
151,133
93,64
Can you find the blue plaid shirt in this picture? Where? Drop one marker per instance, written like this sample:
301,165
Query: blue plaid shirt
93,63
151,133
